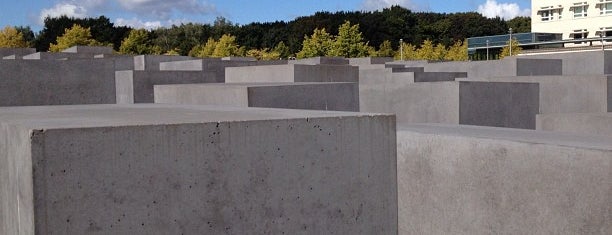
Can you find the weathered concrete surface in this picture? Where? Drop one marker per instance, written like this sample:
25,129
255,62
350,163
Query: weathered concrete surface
475,103
54,82
89,50
507,67
213,64
137,86
57,56
15,53
292,73
317,96
152,62
321,60
483,180
170,169
583,123
369,60
565,94
581,62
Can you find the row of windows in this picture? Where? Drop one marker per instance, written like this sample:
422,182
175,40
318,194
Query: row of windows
579,10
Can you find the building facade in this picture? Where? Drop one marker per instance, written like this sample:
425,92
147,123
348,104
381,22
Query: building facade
573,19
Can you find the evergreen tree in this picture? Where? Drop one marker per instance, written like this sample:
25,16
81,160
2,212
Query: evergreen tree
75,36
349,42
10,37
319,44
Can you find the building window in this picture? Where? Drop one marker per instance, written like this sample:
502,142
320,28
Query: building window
546,15
606,9
579,34
580,11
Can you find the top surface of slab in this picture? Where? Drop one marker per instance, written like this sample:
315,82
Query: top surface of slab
514,135
255,84
84,116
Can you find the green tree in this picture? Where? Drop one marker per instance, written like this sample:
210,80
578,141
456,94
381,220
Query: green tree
11,38
408,51
440,51
263,54
426,51
515,49
226,46
319,44
204,50
28,35
101,29
349,42
138,43
172,52
457,52
282,50
520,24
385,50
75,36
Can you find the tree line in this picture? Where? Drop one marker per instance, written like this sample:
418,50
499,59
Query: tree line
379,33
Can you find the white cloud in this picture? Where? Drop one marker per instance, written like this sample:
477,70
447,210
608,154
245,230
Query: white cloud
140,24
372,5
163,9
68,9
492,9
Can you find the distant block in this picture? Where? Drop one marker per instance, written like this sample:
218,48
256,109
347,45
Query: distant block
213,64
369,60
507,67
582,62
89,50
472,103
565,94
321,60
317,96
152,62
292,73
582,123
57,56
483,180
137,86
14,53
171,169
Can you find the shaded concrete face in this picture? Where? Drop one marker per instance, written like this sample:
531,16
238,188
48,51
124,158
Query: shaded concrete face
292,73
16,52
89,50
137,86
511,66
481,180
161,169
314,96
37,82
369,60
582,123
499,104
582,63
321,60
152,62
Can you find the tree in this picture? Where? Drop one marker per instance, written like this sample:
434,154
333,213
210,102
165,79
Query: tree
75,36
385,49
349,42
282,50
426,51
440,51
101,29
226,46
263,54
319,44
138,43
204,50
515,49
520,24
11,38
457,52
408,50
28,34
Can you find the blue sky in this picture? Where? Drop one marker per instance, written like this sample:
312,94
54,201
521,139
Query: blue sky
156,13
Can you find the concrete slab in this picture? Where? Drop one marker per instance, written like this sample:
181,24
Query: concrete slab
57,56
15,52
565,94
581,62
137,86
483,180
507,67
292,73
316,96
369,60
171,169
583,123
152,62
474,103
321,60
90,50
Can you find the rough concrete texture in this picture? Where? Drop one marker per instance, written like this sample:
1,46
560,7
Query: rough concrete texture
16,52
152,62
321,60
317,96
54,82
170,169
57,56
581,62
89,50
474,103
137,86
238,58
584,123
369,60
212,64
410,63
483,180
507,67
292,73
565,94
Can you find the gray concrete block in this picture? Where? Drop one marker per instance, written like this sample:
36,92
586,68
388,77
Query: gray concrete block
213,64
409,63
314,96
583,123
507,67
565,94
321,60
483,180
238,58
474,103
152,62
137,86
57,56
581,62
369,60
292,73
89,50
16,52
54,82
171,169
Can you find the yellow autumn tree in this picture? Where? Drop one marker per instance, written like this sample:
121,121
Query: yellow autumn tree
11,38
74,36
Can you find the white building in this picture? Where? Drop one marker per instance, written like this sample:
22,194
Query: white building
572,18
